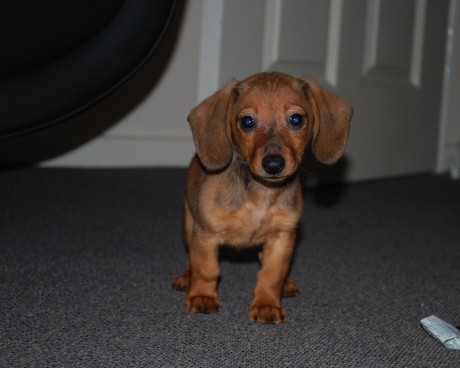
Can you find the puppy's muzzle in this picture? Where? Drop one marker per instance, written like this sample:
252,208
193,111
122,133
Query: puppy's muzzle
273,164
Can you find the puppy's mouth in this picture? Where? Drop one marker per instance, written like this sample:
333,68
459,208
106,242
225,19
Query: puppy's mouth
273,179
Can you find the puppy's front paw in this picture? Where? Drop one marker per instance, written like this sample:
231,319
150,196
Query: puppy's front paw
202,304
267,314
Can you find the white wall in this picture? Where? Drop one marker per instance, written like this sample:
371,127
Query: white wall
453,130
449,132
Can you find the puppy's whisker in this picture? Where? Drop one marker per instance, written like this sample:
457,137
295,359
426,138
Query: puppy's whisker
308,172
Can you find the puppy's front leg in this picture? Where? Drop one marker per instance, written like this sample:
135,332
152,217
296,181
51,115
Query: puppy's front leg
275,260
204,274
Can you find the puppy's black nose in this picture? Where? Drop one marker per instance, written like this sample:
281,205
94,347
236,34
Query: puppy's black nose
273,164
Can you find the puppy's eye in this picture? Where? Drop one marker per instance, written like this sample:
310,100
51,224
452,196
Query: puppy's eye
296,121
247,123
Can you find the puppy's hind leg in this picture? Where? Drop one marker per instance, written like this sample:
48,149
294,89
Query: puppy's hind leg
290,289
182,282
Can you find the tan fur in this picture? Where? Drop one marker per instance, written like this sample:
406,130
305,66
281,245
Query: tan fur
232,200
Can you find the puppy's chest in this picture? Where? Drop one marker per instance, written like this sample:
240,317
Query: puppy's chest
252,221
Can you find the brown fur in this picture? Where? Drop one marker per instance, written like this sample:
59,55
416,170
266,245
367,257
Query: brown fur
231,200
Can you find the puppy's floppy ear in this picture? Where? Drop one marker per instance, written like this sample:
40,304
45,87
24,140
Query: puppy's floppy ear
208,122
331,124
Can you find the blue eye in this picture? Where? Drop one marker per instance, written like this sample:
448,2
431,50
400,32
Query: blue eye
296,120
247,123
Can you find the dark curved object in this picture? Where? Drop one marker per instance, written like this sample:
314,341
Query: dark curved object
60,57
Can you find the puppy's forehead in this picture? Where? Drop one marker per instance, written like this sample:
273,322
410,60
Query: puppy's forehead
270,88
269,83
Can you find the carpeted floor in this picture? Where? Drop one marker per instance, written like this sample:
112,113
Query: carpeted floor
87,256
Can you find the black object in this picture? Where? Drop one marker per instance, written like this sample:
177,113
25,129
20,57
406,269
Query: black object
61,57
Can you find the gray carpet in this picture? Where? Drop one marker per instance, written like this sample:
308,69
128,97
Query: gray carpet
87,256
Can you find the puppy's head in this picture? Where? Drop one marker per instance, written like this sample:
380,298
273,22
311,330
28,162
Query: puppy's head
265,122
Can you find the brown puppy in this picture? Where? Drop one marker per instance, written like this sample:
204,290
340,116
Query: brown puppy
242,185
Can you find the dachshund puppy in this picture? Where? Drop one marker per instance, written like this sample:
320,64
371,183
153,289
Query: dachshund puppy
242,185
